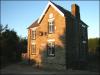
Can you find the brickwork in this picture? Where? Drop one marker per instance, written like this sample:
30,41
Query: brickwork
67,37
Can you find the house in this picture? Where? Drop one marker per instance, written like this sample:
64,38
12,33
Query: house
58,38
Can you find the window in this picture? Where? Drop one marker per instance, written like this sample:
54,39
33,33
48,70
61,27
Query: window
51,15
51,27
51,48
83,26
33,49
84,42
33,35
51,23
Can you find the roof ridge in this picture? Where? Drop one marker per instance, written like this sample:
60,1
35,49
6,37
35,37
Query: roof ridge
54,6
59,8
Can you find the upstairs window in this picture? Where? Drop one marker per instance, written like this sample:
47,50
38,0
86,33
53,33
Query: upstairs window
51,48
84,41
51,27
51,23
33,35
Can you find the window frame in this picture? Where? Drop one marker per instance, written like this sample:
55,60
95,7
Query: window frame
33,49
51,27
51,24
33,34
51,49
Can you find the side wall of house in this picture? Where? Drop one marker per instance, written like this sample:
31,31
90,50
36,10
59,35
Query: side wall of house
76,43
72,41
69,51
84,43
58,61
28,46
72,49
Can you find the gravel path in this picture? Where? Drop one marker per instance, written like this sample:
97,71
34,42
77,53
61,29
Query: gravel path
17,69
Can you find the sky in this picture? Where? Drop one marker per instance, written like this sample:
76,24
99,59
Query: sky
21,14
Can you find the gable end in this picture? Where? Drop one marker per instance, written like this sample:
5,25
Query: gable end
50,3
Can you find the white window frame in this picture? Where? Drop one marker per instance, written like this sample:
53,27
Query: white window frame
33,50
51,43
33,34
51,27
84,41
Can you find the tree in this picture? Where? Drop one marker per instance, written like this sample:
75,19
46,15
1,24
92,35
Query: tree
23,44
94,49
93,44
11,45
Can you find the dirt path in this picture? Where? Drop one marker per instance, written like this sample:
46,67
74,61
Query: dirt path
16,69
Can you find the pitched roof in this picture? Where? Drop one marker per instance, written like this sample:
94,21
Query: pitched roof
60,10
34,24
65,12
83,23
68,12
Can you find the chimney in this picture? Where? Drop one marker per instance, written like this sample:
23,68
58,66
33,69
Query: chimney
75,11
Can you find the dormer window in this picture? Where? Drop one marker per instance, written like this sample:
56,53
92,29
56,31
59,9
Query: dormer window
51,23
33,35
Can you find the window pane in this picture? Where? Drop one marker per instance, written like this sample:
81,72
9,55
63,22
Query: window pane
33,49
51,26
33,34
51,49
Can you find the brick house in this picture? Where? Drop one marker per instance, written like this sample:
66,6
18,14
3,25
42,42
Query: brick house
58,38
